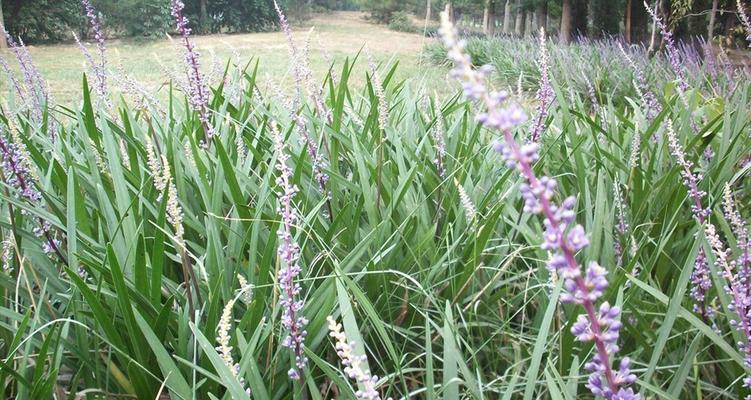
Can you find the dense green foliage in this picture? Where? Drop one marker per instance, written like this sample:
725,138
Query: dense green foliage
447,299
43,20
136,17
402,22
53,20
598,66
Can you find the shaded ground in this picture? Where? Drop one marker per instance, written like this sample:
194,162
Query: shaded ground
337,35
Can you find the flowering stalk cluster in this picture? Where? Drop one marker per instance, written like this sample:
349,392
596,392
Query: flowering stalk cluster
648,99
225,350
736,272
700,279
700,286
303,75
545,93
745,20
690,178
353,364
738,285
199,91
738,290
673,54
246,289
383,107
469,207
99,68
35,86
18,175
293,53
301,70
318,162
440,146
563,238
621,228
289,255
12,79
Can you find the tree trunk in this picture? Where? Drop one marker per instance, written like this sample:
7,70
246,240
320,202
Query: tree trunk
579,17
519,26
541,15
486,18
530,23
491,17
450,7
627,21
654,30
427,12
564,34
3,42
713,13
507,18
204,12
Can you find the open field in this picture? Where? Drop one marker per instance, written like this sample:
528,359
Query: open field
336,35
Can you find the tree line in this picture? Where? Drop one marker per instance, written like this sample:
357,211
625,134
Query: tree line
570,19
53,20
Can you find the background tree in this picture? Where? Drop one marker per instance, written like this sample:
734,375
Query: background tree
507,17
541,14
135,17
42,20
564,35
519,24
605,17
488,17
712,19
3,42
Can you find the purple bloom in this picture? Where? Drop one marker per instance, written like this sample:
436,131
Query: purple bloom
12,79
621,228
440,146
744,19
672,51
289,254
701,284
648,99
319,164
563,238
35,86
99,69
199,91
735,272
545,93
302,73
19,177
301,70
690,179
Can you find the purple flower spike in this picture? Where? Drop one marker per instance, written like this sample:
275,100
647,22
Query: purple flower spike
690,179
199,91
99,69
20,178
562,237
673,54
34,85
289,254
735,272
745,20
701,283
544,91
648,99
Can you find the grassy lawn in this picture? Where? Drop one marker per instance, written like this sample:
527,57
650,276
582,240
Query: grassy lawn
337,35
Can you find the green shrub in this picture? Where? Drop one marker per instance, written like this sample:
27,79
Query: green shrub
401,22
